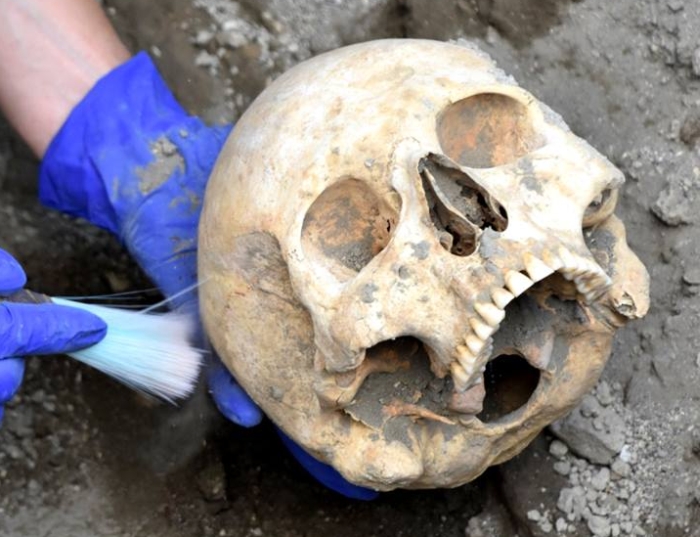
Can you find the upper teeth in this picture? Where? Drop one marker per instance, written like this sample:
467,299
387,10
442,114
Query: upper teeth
590,281
536,268
517,283
491,313
501,297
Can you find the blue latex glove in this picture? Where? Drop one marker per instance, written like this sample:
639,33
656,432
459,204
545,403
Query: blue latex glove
36,329
129,159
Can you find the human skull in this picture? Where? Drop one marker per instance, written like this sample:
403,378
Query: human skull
410,263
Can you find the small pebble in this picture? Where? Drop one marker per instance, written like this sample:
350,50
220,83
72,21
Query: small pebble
534,515
621,468
599,526
562,467
558,448
600,480
561,525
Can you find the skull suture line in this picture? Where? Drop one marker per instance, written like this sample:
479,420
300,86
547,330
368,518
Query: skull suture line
412,264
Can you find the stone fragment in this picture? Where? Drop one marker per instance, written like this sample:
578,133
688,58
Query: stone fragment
558,448
621,468
679,202
604,393
561,525
599,526
203,38
598,445
691,276
572,502
562,467
534,515
600,479
690,129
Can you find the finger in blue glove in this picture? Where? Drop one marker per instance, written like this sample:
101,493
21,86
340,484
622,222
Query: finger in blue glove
11,373
230,398
12,277
46,329
326,474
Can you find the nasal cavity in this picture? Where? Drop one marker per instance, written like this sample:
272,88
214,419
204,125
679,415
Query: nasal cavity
459,207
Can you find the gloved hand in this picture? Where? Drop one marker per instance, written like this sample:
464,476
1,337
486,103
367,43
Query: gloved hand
36,329
129,159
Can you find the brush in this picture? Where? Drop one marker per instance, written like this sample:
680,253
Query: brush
148,352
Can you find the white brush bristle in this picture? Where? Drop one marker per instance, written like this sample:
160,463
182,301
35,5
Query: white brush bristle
148,352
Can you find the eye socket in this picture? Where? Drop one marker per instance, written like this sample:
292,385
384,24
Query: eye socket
487,130
346,227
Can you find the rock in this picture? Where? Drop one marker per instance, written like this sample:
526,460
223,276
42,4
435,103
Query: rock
599,526
598,445
572,502
589,406
558,449
604,393
691,276
211,481
534,515
204,59
232,39
621,468
600,479
690,129
562,467
679,202
561,525
203,38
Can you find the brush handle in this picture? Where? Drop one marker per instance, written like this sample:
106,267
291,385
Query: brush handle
25,296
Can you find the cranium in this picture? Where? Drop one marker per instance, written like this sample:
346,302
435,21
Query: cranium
412,264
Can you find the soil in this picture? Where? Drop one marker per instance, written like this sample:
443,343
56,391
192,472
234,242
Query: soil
81,456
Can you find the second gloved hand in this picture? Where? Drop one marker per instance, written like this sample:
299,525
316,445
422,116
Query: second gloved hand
27,329
129,159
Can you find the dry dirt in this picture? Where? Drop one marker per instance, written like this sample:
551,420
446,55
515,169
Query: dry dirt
83,457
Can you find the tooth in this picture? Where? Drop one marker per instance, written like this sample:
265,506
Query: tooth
518,283
552,260
474,343
567,258
482,330
459,377
466,359
536,268
492,314
501,297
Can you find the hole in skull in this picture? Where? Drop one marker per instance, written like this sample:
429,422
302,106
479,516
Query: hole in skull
459,207
346,227
600,208
509,381
487,130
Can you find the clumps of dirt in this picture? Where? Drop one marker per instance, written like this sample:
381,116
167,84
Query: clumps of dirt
39,432
236,40
247,46
644,482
